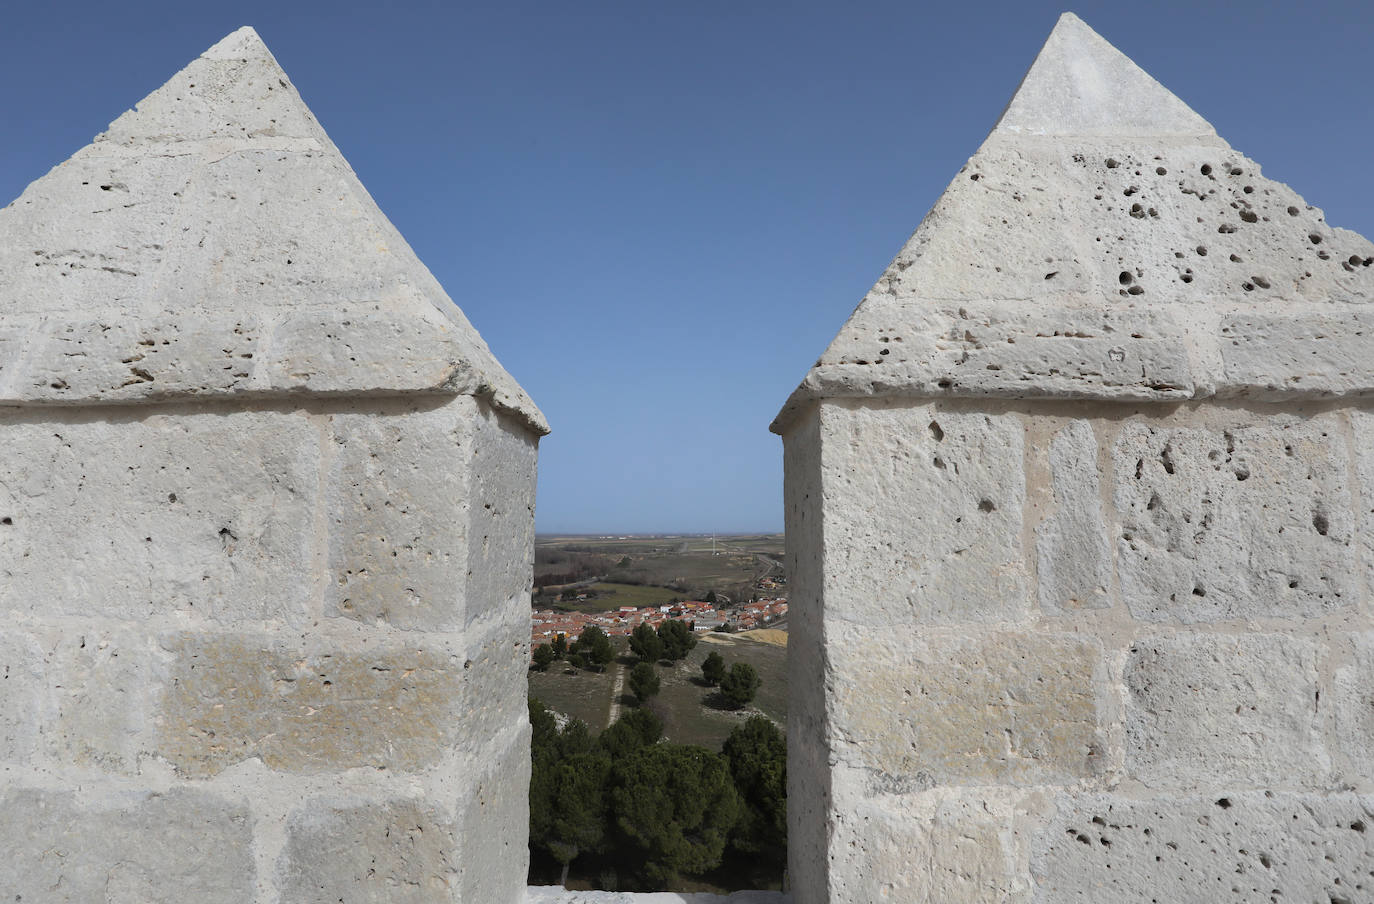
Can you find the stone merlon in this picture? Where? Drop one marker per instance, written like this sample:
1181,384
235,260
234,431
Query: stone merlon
214,243
1104,243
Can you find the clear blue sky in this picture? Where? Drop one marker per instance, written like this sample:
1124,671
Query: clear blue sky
658,214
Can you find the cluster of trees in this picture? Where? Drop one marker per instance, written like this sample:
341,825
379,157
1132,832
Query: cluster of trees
738,686
593,649
645,813
672,641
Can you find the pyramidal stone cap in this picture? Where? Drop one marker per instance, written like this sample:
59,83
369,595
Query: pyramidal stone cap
214,243
1105,243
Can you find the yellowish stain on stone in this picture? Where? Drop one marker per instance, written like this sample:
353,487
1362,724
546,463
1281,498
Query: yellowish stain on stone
233,698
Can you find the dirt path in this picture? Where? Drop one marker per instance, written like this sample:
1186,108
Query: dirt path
616,690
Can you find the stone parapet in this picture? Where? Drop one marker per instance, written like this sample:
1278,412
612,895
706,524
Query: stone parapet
1078,524
266,528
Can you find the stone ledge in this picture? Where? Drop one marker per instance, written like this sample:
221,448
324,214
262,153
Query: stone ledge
356,351
553,894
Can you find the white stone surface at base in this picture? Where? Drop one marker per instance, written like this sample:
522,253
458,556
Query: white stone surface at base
554,894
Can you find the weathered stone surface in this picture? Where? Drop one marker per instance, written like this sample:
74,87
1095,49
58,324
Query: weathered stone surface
1213,709
229,698
399,504
1100,189
1071,544
220,198
494,822
133,848
1247,846
955,708
922,515
105,683
1267,354
951,852
369,852
366,350
1248,522
500,566
1354,707
155,516
1000,349
809,799
22,692
1362,431
125,359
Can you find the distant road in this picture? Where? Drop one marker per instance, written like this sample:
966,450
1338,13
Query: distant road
772,564
616,690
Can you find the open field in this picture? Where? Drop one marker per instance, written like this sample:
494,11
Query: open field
687,564
686,718
613,596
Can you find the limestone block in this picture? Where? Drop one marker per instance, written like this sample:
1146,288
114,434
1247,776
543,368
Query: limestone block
369,852
951,851
1071,544
494,820
1210,709
1316,350
808,758
1247,846
22,693
501,481
922,515
1362,429
105,682
125,359
956,708
290,230
1001,349
133,848
1354,707
146,513
399,506
495,685
365,350
119,216
1221,524
229,698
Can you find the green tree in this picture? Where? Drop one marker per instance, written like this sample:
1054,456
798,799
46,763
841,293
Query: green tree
710,597
757,755
674,805
543,760
644,681
740,685
677,638
596,646
579,808
543,657
645,644
574,739
636,728
543,726
560,645
713,668
577,660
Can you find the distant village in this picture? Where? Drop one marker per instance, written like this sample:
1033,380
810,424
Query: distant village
548,623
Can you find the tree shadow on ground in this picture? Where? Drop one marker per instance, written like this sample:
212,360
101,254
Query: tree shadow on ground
717,701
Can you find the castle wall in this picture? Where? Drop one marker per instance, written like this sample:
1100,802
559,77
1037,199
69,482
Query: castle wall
1081,651
265,652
